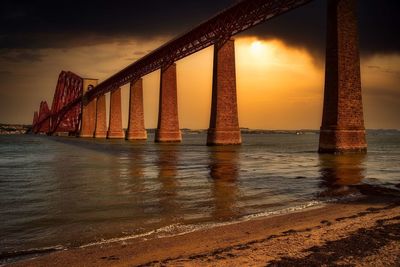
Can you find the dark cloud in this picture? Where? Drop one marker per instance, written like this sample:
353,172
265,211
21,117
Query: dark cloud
306,26
385,70
87,22
55,24
21,55
4,76
5,72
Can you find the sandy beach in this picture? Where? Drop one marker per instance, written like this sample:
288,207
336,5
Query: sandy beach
364,232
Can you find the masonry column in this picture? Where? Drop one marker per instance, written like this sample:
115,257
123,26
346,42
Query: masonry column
224,123
88,121
101,119
168,122
136,129
115,126
342,127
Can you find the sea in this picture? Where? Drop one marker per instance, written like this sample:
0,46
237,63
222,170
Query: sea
59,193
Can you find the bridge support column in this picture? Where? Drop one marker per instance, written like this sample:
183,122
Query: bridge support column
136,129
101,117
88,122
342,127
115,126
168,122
224,123
88,119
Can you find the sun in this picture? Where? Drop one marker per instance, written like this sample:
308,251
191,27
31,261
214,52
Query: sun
256,47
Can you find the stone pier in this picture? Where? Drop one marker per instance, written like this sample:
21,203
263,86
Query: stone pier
224,123
136,129
168,122
101,118
88,122
115,126
342,127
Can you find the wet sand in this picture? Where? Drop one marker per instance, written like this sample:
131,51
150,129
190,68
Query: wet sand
365,232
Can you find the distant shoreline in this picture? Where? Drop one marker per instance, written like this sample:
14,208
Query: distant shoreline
15,129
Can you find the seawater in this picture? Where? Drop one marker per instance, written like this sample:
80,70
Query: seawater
59,192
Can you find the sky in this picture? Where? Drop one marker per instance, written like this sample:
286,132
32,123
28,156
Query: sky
279,64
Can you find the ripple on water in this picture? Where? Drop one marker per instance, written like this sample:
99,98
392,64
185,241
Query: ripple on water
72,192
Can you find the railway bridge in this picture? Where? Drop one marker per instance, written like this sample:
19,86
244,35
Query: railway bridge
79,105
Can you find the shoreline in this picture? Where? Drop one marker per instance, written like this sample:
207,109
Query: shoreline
364,231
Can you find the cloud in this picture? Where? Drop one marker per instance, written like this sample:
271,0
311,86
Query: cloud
5,72
44,24
21,55
78,22
5,75
385,70
139,53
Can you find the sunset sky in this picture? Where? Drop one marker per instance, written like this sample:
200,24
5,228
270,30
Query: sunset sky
279,65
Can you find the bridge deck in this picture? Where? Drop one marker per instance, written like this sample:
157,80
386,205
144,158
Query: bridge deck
231,21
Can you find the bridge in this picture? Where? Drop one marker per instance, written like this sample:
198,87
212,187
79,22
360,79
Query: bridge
79,106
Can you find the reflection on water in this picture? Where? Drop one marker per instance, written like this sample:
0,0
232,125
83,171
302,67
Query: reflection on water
224,171
69,191
339,172
167,177
135,170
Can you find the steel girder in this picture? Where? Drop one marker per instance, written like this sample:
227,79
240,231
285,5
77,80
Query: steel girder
69,87
43,125
63,116
217,30
35,121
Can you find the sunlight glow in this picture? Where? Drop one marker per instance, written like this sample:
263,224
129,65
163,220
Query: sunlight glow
256,47
277,85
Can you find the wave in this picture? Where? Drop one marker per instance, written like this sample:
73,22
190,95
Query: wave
174,229
181,229
12,256
301,207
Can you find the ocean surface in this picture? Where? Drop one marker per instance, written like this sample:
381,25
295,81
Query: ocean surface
60,192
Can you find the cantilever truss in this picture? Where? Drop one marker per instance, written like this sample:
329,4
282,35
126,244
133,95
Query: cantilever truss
59,118
43,125
69,88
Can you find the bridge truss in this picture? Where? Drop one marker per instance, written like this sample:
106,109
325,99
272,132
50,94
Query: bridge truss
215,31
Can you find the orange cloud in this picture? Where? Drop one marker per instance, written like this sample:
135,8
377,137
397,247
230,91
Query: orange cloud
278,86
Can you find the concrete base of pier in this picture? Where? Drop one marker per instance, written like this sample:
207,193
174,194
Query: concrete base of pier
342,141
168,137
228,137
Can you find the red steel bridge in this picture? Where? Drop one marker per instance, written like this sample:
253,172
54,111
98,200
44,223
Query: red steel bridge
79,107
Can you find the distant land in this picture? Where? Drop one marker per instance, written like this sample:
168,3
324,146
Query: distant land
10,129
6,129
